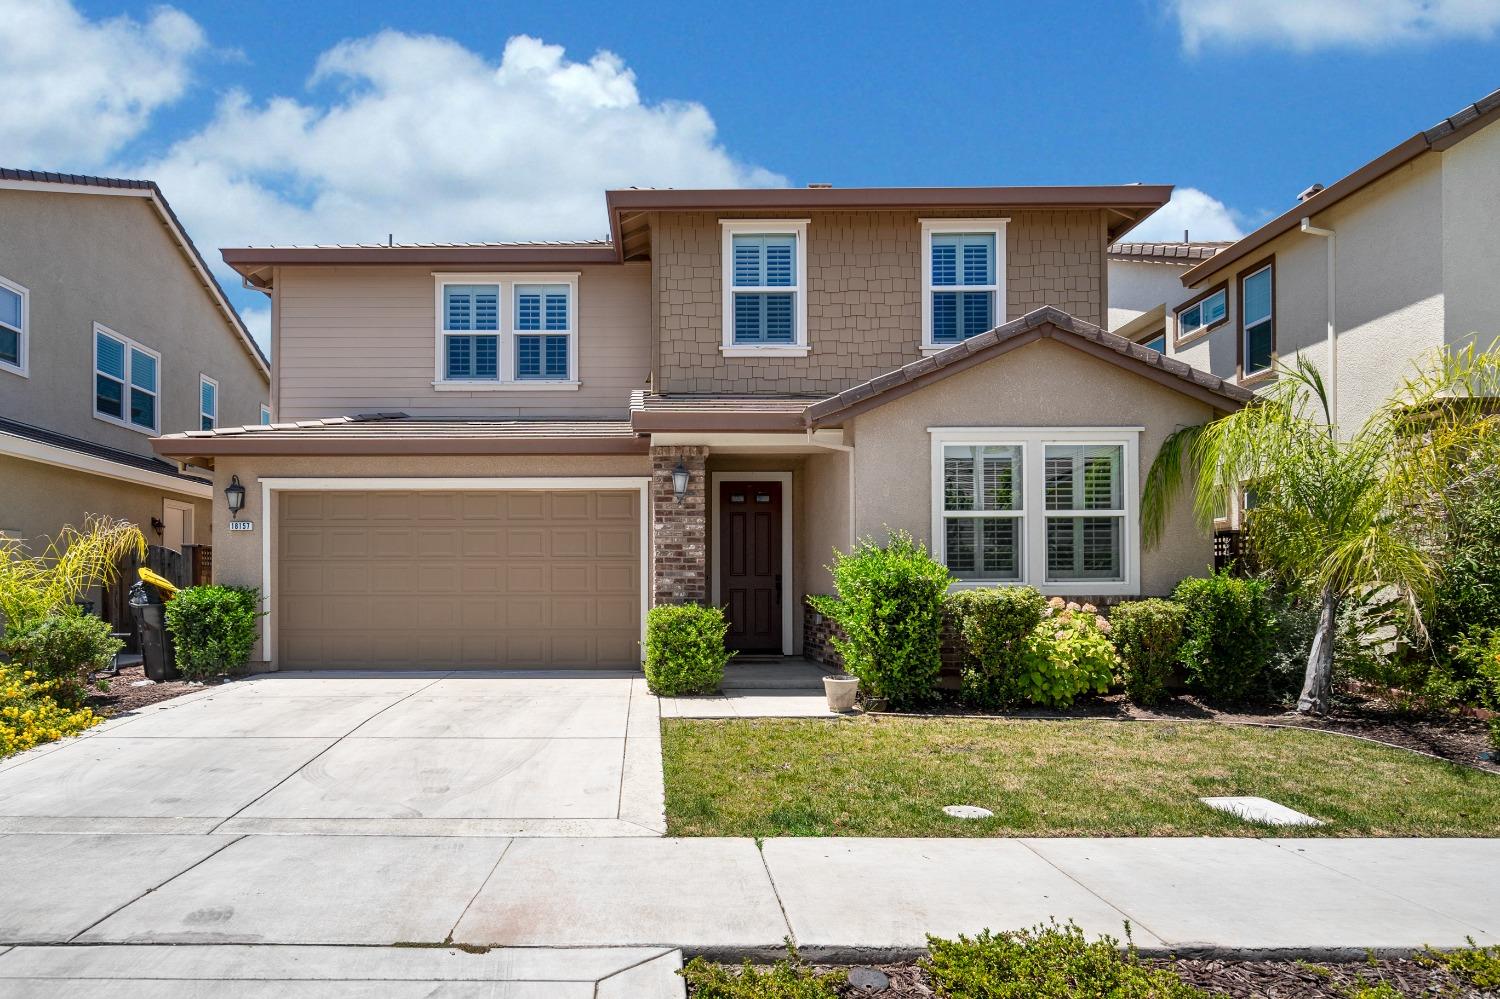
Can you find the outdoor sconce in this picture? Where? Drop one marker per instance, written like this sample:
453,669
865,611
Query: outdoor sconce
234,493
679,482
157,526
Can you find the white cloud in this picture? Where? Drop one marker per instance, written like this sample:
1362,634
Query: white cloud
1203,216
73,92
1308,25
258,321
424,138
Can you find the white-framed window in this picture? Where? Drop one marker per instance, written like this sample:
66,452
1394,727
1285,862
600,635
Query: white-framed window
765,287
1258,321
15,318
1203,315
265,415
1055,508
208,402
506,331
963,279
126,381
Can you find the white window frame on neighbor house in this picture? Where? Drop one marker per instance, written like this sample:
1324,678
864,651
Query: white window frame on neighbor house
796,228
94,373
213,417
265,415
933,227
785,479
22,366
1033,514
505,379
1186,334
269,487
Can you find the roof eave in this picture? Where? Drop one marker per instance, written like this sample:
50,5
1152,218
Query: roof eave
182,448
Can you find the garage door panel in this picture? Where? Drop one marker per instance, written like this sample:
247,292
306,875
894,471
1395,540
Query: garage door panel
480,579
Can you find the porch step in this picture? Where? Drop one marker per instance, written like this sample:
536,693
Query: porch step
776,673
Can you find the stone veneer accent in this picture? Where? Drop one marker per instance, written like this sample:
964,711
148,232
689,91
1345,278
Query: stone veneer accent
864,277
679,548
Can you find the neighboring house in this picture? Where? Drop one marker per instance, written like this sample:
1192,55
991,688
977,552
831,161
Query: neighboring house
1145,288
504,454
1362,277
112,332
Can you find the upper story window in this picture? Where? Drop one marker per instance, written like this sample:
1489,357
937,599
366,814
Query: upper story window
1052,508
1257,320
963,279
208,402
1202,314
765,277
507,331
1156,341
265,415
14,305
126,375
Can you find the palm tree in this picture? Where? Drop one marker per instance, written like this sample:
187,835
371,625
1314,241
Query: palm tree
1337,516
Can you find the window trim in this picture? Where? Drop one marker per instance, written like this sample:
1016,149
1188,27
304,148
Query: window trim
728,229
265,415
505,379
23,345
1033,442
202,381
1144,339
1178,338
932,227
94,372
1267,373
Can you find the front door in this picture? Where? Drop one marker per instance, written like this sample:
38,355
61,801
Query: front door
750,564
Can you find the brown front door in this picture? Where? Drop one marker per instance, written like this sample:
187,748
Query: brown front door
750,564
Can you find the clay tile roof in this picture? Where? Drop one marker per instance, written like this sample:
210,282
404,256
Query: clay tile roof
1167,252
1045,323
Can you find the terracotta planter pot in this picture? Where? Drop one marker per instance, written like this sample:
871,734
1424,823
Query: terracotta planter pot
841,691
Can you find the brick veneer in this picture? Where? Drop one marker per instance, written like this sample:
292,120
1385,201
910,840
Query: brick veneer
680,530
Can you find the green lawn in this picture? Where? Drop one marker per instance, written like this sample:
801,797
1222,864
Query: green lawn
875,776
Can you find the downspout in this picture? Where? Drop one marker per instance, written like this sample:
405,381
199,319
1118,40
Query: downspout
1333,341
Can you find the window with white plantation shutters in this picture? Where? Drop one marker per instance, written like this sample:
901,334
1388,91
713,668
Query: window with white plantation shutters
471,337
542,329
765,290
983,511
1083,492
963,279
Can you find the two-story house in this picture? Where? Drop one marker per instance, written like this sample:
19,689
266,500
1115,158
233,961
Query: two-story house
1145,287
504,454
112,332
1362,277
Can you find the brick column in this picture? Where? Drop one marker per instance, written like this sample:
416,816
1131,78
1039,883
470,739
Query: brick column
680,530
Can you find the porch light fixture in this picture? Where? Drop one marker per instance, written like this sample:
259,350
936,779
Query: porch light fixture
234,494
679,482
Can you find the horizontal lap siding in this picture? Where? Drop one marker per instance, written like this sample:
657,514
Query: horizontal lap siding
362,339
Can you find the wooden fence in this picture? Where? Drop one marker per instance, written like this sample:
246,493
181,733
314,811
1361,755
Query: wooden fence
190,567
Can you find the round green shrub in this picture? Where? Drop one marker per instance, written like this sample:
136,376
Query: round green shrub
1066,656
1147,635
1228,637
890,612
213,629
993,624
685,651
63,650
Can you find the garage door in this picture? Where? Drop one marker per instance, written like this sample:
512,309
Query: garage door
473,579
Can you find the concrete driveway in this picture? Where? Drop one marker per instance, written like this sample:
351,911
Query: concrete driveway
391,754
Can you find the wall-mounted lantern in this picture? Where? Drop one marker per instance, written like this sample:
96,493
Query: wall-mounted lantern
234,494
679,481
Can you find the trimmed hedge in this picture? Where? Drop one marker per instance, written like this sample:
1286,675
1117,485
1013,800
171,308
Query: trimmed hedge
993,625
1148,637
685,651
890,609
213,629
62,650
1228,637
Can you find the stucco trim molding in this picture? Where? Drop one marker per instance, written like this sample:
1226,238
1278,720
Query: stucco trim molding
50,454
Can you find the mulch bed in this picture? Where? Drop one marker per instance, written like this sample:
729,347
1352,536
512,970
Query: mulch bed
1455,738
1245,979
122,696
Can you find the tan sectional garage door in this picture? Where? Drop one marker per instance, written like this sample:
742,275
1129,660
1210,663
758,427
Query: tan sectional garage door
473,579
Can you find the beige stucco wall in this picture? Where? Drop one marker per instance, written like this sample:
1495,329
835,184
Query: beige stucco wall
1039,385
826,508
37,500
238,555
1137,286
864,277
110,259
363,339
1471,238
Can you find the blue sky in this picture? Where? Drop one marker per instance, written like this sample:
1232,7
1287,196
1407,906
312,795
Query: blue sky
343,121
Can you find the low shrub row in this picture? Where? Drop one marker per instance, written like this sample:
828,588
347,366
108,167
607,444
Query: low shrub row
35,710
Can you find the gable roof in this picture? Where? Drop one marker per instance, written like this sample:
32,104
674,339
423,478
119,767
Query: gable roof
1446,133
72,183
1043,324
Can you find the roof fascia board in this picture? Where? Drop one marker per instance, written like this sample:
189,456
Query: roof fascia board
15,446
